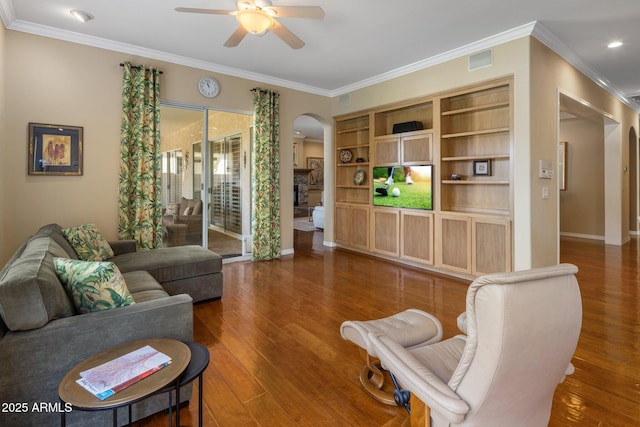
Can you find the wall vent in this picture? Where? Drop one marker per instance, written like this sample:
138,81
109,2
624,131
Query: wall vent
345,99
481,60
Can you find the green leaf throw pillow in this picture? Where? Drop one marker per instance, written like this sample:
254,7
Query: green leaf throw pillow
94,286
88,242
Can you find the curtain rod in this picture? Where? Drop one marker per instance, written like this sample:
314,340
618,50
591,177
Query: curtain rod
138,67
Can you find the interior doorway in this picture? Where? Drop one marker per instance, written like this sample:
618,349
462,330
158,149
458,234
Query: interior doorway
590,206
308,175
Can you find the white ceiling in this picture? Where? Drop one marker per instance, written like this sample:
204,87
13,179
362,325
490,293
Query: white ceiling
359,42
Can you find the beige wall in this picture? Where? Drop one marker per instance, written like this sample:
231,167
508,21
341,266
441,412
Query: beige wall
52,81
551,75
582,203
312,149
4,252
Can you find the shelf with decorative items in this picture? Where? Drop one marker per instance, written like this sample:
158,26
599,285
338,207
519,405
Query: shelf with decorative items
475,150
352,159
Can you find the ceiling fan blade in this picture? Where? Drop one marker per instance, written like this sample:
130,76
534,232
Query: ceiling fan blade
286,35
308,12
236,37
209,11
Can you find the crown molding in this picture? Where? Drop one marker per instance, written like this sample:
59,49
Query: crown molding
73,37
547,38
535,29
488,42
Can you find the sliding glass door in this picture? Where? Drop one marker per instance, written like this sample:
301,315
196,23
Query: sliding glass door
172,163
206,186
226,195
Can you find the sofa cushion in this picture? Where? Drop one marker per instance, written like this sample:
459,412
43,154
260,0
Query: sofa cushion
194,204
30,293
173,209
88,242
197,208
168,264
143,286
54,231
94,286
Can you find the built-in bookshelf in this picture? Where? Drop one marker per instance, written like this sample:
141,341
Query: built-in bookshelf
468,140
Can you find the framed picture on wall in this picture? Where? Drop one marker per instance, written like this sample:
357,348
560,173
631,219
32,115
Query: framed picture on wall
55,149
316,176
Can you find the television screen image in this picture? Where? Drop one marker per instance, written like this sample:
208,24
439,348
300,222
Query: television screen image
403,186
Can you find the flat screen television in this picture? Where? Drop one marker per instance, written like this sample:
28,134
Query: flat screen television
403,186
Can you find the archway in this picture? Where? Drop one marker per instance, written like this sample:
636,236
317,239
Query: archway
313,177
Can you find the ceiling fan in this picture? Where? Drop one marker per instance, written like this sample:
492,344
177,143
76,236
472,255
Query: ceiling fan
259,16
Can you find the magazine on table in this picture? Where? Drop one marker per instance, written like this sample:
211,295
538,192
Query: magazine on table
111,377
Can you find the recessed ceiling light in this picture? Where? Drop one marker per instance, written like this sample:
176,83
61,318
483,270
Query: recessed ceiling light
614,45
81,15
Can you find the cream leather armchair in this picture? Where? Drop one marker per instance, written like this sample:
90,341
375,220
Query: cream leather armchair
522,330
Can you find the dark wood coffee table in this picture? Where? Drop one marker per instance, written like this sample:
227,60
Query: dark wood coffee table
79,398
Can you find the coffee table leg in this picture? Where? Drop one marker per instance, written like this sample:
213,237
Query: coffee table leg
170,408
200,400
178,402
115,417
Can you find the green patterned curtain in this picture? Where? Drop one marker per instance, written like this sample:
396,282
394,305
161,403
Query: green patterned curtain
140,197
265,221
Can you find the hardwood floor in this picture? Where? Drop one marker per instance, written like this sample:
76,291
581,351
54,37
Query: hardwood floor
277,358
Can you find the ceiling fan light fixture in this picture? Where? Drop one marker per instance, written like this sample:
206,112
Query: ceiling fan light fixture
254,21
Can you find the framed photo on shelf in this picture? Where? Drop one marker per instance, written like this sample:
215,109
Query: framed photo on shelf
55,149
482,167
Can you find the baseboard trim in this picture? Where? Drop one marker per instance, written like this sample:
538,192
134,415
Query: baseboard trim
582,236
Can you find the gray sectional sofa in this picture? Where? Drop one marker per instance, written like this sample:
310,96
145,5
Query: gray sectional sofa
42,337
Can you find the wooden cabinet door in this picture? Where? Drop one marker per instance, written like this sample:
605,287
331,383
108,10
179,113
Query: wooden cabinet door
416,236
385,227
342,223
351,226
454,243
360,227
417,149
491,245
386,151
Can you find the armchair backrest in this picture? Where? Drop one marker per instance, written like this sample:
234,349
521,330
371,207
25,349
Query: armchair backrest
523,329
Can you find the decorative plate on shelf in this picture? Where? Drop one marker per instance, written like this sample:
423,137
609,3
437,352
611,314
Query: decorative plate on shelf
358,177
346,156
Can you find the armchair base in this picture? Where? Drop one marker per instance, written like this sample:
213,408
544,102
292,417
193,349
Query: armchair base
411,328
376,381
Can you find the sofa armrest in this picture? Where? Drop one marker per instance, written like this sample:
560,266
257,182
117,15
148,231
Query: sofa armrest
120,247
